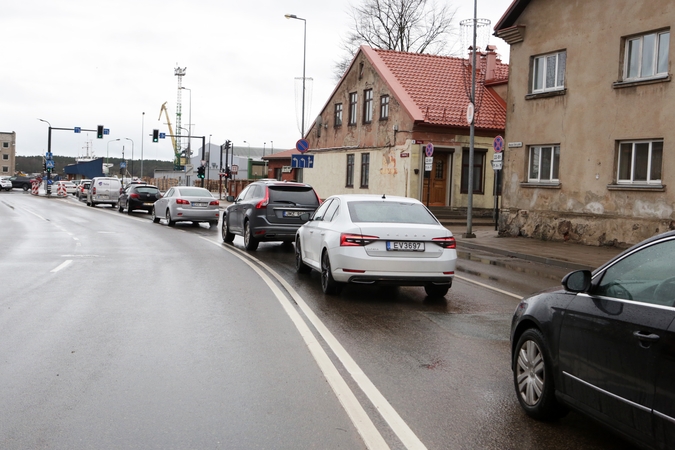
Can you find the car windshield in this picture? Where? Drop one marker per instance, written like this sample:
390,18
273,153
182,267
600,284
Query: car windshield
390,212
147,190
293,195
194,192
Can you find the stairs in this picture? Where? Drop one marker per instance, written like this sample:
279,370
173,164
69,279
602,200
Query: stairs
448,216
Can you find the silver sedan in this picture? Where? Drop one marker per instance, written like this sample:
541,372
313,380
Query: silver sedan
187,204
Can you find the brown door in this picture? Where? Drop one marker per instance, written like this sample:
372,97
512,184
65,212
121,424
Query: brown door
439,181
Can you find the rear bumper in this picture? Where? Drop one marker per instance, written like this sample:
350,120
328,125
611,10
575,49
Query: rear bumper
196,215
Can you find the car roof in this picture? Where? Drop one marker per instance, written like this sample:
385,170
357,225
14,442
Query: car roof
273,182
374,197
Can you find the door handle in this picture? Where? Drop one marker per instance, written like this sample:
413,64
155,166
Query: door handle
648,337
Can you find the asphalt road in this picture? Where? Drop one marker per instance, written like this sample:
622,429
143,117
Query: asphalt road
119,333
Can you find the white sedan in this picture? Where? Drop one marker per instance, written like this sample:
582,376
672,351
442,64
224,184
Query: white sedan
186,204
376,239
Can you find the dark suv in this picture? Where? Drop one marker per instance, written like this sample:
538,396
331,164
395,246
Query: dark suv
138,196
268,210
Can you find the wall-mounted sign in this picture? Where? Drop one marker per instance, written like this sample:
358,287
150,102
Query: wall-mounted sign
515,144
286,169
404,155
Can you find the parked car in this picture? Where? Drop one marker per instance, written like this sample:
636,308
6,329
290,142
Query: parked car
68,185
604,345
187,204
5,183
268,210
376,239
104,190
82,189
21,182
138,196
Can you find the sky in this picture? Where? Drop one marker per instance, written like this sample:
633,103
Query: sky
84,63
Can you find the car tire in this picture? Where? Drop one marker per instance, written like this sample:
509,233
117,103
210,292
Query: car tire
129,210
155,219
436,291
225,232
533,377
26,187
300,266
169,221
328,283
250,243
91,203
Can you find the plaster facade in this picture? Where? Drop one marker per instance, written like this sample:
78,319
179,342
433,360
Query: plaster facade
7,153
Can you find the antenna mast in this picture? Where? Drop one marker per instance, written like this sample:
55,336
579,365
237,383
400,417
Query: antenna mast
180,73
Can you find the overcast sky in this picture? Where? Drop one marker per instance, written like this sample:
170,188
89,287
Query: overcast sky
81,63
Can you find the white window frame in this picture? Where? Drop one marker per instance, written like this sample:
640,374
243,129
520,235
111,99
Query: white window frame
536,155
652,160
543,62
659,57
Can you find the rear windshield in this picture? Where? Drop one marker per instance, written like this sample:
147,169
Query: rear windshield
293,195
390,212
147,190
194,192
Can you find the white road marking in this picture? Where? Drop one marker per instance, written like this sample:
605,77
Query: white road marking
364,425
487,286
63,265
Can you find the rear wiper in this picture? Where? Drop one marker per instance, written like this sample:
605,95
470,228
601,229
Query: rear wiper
286,201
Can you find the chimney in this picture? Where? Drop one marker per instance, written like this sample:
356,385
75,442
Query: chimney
491,62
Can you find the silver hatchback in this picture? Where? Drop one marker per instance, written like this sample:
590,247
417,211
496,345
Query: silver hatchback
187,204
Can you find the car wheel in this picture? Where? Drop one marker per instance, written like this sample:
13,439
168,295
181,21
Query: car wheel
225,232
155,219
328,283
170,222
436,291
91,203
25,187
250,243
533,377
300,266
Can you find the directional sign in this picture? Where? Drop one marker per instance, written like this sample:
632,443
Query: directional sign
302,161
498,144
77,129
429,149
302,145
48,155
162,135
106,131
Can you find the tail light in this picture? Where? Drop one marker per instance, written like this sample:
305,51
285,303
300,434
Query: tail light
356,240
93,191
180,201
317,197
265,201
446,242
134,195
215,203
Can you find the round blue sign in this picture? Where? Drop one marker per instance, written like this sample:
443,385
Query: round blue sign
498,144
302,145
429,150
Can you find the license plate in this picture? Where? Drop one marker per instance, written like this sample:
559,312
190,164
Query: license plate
292,213
199,203
405,246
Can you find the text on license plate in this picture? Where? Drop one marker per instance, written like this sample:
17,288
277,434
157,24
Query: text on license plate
292,213
405,246
198,203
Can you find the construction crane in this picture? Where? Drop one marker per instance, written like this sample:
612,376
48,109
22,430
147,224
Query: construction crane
176,146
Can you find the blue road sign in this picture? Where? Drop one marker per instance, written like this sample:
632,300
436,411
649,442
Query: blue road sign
48,155
77,129
106,131
123,164
302,161
162,135
429,150
50,164
302,145
498,144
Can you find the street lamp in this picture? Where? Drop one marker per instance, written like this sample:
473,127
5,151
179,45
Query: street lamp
107,151
272,144
189,119
304,58
142,135
132,157
249,149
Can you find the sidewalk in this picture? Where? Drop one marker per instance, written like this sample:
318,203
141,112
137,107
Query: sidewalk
563,254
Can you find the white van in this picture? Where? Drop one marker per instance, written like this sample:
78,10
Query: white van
104,190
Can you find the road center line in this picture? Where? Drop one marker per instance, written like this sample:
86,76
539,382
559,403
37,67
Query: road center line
487,286
63,265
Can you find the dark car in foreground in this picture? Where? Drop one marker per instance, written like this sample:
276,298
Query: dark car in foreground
268,210
604,345
138,197
21,182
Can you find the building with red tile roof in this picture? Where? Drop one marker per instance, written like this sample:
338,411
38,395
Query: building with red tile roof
371,135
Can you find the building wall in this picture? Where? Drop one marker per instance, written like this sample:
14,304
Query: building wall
587,121
7,153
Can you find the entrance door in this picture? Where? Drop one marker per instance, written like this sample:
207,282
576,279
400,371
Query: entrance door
438,178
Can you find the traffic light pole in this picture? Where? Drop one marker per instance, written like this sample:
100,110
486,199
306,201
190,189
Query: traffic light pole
203,138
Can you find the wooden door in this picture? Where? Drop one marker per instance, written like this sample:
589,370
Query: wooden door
438,178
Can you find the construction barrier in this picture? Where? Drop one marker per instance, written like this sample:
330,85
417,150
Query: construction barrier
35,187
61,191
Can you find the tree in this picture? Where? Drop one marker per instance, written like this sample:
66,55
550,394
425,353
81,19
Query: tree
417,26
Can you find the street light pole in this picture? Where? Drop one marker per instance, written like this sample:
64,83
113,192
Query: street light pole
107,150
132,157
142,135
189,120
48,188
304,59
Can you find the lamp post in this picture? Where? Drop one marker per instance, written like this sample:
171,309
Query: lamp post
142,135
304,59
107,150
48,187
469,209
132,157
272,150
208,165
189,120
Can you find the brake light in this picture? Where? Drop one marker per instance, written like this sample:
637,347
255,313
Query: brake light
180,201
134,195
317,197
356,240
265,201
446,242
215,203
93,191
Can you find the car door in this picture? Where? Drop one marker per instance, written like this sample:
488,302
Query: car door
613,339
664,402
234,218
161,204
312,244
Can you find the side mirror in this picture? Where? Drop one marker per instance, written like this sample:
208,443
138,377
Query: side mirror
230,198
577,281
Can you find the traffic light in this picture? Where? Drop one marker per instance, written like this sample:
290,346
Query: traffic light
44,165
99,132
155,135
228,174
228,145
201,171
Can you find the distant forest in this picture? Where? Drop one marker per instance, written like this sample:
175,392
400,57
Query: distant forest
33,164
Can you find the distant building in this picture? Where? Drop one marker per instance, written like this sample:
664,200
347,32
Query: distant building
7,153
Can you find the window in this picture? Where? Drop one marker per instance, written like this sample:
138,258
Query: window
639,162
321,212
544,162
352,108
368,106
5,156
548,72
478,170
350,171
384,107
5,145
338,114
646,56
5,169
332,210
365,167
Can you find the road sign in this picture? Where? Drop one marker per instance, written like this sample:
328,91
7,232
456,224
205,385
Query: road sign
48,155
498,157
302,161
106,131
234,169
77,129
496,165
123,165
428,163
302,145
162,135
429,149
498,144
469,113
50,164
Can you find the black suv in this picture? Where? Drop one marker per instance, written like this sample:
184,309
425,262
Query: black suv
20,182
268,210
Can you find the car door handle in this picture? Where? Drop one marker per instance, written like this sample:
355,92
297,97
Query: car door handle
648,337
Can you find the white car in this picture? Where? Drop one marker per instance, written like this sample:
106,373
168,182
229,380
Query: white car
69,185
5,183
376,239
187,204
